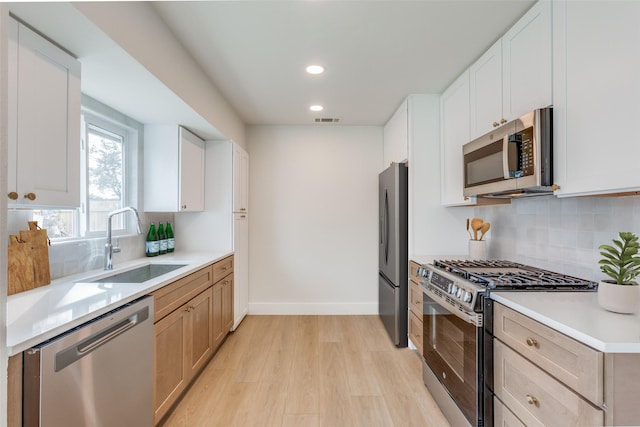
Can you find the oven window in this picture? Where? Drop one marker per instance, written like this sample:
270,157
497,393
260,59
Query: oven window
450,348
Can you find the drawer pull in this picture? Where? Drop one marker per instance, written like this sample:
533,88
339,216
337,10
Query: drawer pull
531,400
532,342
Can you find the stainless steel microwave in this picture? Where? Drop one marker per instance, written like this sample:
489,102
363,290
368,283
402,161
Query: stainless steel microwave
514,160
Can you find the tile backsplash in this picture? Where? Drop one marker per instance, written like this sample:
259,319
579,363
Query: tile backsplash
561,235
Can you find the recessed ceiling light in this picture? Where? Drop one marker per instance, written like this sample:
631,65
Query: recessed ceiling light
316,108
315,69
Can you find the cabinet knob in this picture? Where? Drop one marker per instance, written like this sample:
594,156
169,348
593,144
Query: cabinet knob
13,195
531,400
243,209
184,206
531,342
496,124
503,120
30,196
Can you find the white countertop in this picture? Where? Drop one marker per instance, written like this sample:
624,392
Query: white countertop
45,312
578,315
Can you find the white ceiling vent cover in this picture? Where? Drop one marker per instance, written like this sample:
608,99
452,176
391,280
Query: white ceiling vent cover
327,120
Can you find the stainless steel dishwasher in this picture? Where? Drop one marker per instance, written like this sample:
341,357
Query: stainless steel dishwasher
99,374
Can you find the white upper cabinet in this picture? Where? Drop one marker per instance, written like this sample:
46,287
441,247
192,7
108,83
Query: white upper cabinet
514,76
485,98
526,63
43,121
396,137
173,169
240,179
596,93
454,133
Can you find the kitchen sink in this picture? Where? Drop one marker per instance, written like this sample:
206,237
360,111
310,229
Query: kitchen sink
140,274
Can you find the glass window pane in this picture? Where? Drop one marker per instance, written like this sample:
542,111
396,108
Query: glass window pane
59,223
105,188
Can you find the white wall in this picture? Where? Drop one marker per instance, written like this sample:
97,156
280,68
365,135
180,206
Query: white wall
211,230
135,26
313,221
433,228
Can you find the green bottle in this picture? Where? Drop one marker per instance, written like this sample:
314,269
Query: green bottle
153,245
171,242
162,238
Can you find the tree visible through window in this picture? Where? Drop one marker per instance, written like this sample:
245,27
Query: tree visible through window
105,179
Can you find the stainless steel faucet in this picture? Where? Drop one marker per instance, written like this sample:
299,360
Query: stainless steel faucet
108,248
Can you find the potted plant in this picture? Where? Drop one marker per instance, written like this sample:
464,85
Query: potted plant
621,262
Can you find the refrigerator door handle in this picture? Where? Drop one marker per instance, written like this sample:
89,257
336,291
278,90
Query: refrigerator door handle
386,227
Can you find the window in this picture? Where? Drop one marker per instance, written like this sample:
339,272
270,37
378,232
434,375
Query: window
105,186
108,179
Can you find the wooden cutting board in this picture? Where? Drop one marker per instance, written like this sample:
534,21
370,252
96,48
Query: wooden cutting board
39,241
20,266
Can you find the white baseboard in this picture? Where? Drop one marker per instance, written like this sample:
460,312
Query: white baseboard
313,308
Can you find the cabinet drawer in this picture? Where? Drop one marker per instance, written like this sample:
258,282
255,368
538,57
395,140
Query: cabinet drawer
415,299
415,331
535,397
175,294
222,268
578,366
413,272
503,417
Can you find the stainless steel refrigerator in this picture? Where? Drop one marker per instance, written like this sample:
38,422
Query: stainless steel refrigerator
392,252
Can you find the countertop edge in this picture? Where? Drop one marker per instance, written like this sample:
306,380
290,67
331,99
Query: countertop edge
195,260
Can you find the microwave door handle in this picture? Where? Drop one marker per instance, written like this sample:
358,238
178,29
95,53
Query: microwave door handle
505,157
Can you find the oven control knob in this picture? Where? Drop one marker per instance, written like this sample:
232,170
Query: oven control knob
467,297
453,289
459,293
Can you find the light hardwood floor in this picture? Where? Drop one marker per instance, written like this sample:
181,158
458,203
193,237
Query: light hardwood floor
310,371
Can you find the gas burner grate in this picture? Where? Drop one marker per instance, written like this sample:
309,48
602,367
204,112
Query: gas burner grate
507,275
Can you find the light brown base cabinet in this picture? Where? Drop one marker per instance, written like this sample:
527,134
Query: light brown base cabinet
415,307
193,316
545,378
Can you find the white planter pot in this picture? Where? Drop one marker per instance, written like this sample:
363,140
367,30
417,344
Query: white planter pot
619,298
477,249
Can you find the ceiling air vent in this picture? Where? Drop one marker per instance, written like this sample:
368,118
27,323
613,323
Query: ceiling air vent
327,120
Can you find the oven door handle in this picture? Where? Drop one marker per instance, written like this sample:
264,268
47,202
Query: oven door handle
473,318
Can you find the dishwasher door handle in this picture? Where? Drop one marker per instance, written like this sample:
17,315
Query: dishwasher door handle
71,354
106,336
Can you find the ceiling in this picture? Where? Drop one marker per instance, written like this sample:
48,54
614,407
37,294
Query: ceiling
375,54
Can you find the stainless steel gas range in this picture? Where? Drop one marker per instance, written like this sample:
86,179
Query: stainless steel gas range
458,328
